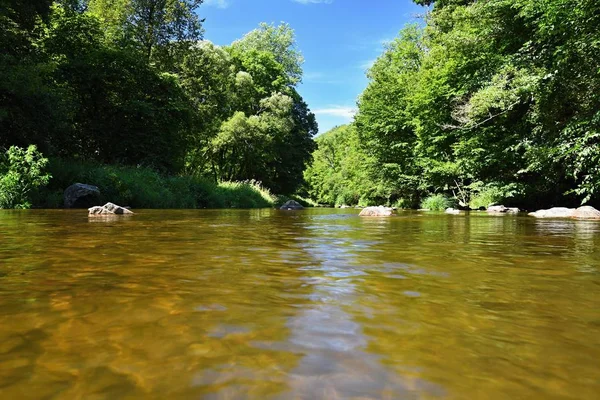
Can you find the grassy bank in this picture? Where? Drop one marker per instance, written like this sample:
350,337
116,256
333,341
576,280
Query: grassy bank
145,188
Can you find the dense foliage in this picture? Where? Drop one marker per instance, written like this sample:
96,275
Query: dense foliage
21,172
133,83
490,101
147,188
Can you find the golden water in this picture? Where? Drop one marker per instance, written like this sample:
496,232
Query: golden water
316,304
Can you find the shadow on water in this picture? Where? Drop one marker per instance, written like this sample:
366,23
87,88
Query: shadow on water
312,304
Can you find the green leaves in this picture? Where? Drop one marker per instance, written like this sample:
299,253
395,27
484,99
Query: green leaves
491,100
21,171
278,41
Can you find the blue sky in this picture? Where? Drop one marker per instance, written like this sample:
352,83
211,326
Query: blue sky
338,38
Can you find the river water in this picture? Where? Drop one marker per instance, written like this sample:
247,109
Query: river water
315,304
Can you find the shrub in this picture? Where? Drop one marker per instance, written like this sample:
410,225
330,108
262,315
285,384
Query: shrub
483,196
403,204
145,188
21,171
248,194
437,202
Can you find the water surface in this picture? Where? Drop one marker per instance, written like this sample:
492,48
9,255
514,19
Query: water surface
316,304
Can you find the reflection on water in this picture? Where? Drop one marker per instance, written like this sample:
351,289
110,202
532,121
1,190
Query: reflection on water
317,304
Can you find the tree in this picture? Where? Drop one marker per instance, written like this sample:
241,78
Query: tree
278,41
252,124
490,101
121,110
244,145
159,29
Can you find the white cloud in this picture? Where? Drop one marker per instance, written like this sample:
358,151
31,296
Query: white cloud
367,64
337,111
320,78
313,1
217,3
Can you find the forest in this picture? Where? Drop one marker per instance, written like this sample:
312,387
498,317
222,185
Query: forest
480,102
127,93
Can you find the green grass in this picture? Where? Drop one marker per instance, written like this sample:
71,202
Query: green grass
437,202
145,188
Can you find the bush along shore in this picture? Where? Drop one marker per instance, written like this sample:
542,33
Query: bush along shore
27,179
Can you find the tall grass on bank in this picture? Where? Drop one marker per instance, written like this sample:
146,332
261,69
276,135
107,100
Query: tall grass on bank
437,202
145,188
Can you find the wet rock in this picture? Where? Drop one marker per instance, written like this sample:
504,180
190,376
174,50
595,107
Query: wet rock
377,212
452,211
99,210
109,209
502,210
343,206
292,205
555,212
586,212
81,195
115,209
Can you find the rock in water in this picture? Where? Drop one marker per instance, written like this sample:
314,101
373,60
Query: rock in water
99,210
586,212
81,195
556,212
292,205
115,209
452,211
109,209
502,210
377,212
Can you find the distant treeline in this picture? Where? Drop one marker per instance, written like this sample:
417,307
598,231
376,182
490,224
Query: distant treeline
486,102
133,83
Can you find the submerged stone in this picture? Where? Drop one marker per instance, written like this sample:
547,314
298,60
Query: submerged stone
109,209
292,205
502,210
377,212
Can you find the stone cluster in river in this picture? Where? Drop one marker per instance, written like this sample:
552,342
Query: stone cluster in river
585,212
109,209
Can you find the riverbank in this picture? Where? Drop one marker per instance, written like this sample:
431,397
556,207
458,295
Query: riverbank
140,187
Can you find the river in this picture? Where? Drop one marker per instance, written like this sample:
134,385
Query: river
315,304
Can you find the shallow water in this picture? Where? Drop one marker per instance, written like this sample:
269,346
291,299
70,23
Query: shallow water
316,304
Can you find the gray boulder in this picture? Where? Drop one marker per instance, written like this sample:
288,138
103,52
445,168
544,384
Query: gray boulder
81,195
452,211
586,212
109,209
377,212
292,205
555,212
